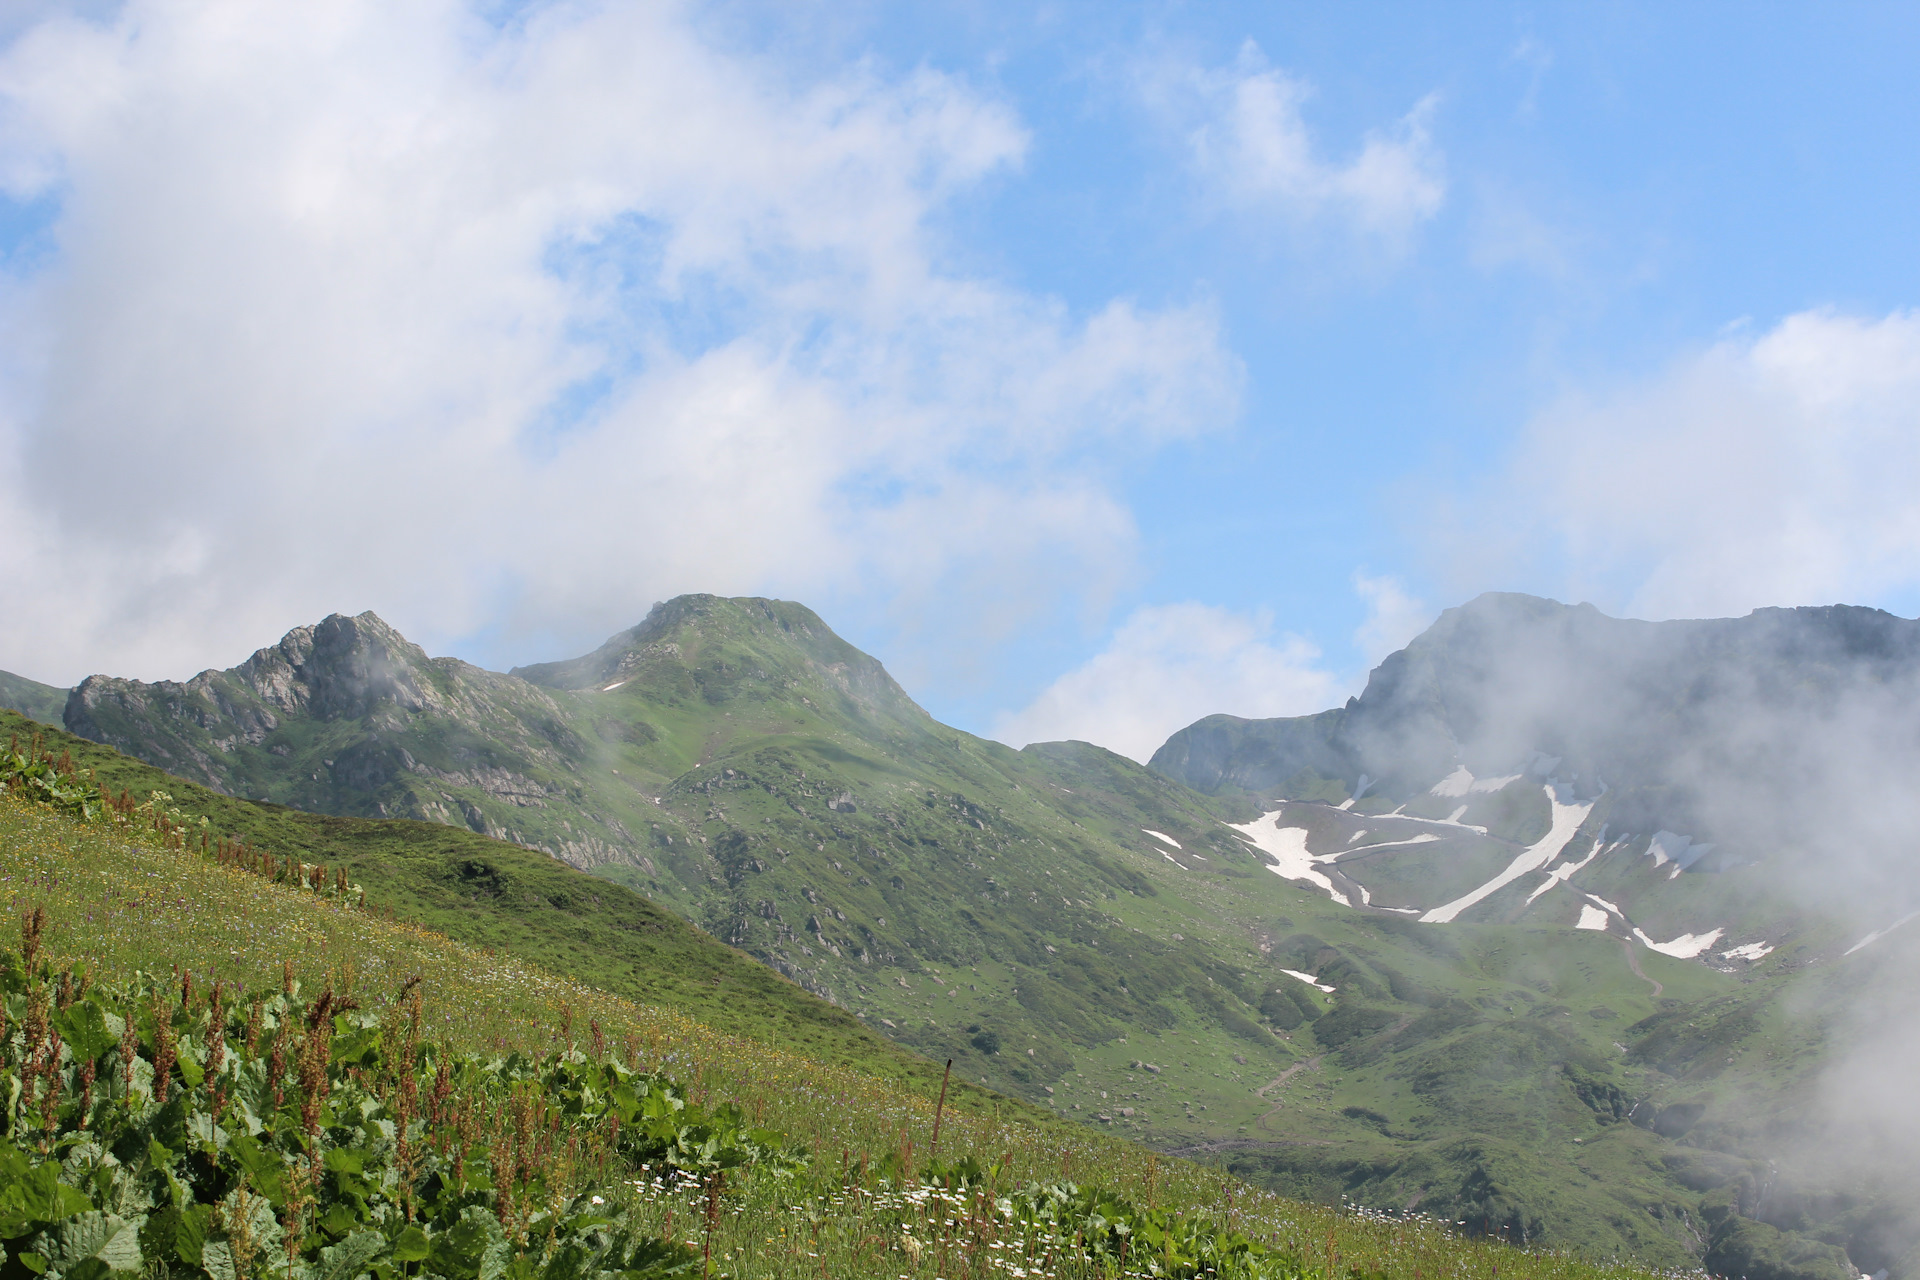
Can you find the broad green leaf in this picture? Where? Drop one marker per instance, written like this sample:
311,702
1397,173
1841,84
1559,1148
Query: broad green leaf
265,1170
351,1257
91,1244
38,1198
656,1259
412,1245
83,1025
217,1259
475,1248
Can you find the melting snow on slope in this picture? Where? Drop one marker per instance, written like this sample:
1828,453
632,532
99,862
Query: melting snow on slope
1684,947
1752,951
1157,835
1288,847
1566,822
1567,870
1359,789
1308,978
1681,851
615,685
1592,917
1878,934
1461,782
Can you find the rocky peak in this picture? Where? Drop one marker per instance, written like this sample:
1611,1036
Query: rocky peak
340,669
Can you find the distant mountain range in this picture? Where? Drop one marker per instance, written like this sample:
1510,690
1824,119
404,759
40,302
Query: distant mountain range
1520,936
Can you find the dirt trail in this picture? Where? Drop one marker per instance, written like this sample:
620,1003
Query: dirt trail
1311,1064
1633,962
1287,1075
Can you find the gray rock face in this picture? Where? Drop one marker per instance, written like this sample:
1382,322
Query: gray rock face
1692,724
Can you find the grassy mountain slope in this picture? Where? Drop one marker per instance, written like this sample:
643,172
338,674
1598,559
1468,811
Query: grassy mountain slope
32,699
1069,927
488,894
121,901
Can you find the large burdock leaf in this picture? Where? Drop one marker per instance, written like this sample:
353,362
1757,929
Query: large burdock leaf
83,1025
90,1246
348,1259
474,1248
37,1197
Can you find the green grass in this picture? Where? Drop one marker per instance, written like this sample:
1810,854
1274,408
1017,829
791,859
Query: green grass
120,903
32,699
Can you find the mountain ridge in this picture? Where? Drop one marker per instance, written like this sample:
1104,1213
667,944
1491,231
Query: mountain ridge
1088,934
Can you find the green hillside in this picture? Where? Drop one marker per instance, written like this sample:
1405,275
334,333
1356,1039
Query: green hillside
1069,928
32,699
518,902
838,1175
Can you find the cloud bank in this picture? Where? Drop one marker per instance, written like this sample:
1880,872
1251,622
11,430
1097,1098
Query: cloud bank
1246,137
1769,469
487,325
1166,666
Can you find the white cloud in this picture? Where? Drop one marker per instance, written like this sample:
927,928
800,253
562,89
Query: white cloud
1393,617
1248,139
1167,666
371,305
1767,470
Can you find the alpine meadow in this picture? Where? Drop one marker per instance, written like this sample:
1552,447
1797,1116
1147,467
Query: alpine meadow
957,640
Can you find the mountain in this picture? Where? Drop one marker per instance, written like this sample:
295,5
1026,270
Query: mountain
737,761
32,699
1520,745
1121,947
1732,792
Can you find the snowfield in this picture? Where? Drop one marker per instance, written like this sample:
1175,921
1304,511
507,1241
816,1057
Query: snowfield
1567,870
1461,782
1878,934
1287,846
1311,980
1685,947
1566,822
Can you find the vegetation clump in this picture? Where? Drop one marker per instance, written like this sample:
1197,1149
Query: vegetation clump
271,1134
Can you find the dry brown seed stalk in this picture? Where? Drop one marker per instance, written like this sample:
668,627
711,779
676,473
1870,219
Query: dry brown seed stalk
163,1050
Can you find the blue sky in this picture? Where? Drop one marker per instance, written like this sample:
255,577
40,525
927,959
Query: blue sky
1096,366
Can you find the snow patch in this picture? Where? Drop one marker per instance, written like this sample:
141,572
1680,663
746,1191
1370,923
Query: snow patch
1461,782
1566,823
1878,934
1310,979
1170,858
1163,837
1671,846
1567,870
1356,835
1359,789
615,685
1752,951
1287,846
1592,917
1425,837
1684,947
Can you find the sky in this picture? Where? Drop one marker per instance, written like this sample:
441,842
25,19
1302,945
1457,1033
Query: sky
1096,366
